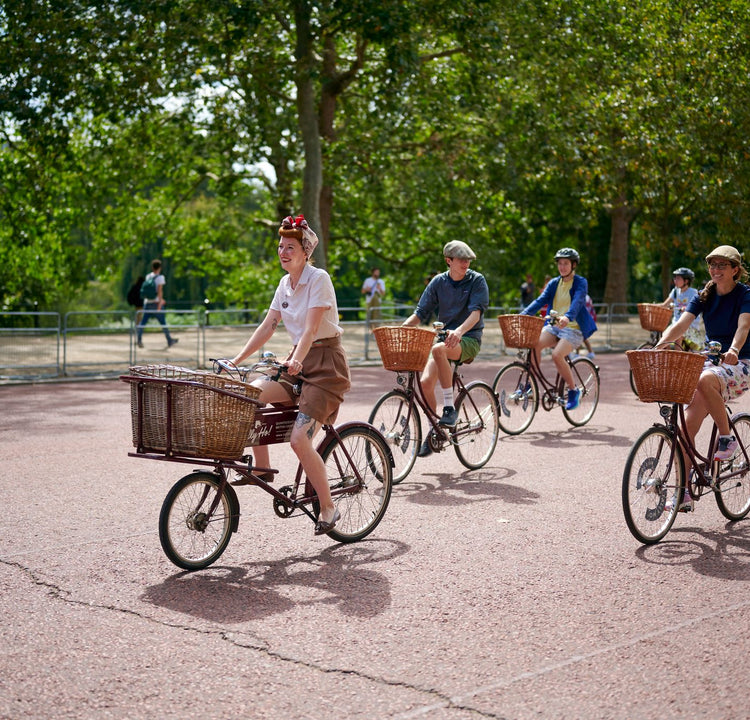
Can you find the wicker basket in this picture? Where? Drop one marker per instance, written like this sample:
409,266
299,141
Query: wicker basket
654,318
404,348
665,375
520,331
177,411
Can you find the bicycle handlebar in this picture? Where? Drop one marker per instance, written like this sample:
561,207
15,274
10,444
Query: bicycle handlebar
268,366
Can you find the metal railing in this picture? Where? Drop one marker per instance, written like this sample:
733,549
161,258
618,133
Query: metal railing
47,345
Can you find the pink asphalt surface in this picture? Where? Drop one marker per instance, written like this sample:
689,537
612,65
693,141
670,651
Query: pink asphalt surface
514,591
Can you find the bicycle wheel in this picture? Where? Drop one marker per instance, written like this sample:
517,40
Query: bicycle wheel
190,539
733,495
652,485
358,465
586,376
517,397
642,346
475,434
397,420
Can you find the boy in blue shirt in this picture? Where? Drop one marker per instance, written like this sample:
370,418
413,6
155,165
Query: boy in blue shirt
459,298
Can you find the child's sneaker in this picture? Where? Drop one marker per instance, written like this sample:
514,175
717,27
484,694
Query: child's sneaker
574,399
727,447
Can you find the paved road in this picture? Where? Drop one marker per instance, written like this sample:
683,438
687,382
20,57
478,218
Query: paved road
514,591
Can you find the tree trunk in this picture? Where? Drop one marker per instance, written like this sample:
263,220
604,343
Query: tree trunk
616,288
307,111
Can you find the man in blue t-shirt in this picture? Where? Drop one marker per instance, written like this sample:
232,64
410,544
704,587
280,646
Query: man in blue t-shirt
459,298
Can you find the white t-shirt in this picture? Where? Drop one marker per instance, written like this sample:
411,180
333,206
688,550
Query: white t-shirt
371,284
314,289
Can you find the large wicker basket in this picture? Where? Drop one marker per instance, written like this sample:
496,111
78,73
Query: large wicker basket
404,348
669,376
654,318
177,411
520,331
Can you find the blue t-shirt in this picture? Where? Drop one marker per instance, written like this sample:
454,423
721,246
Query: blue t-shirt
453,301
721,315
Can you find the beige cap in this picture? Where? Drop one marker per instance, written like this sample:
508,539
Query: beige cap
727,252
458,249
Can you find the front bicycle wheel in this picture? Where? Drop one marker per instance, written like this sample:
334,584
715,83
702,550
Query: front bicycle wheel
189,537
652,485
586,376
733,494
642,346
397,421
517,398
475,434
358,466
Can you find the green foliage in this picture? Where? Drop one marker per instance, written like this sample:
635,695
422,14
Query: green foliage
183,130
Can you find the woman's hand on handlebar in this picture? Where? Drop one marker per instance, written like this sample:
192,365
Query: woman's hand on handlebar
293,367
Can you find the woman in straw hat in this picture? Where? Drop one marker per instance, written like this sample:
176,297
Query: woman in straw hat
725,305
305,302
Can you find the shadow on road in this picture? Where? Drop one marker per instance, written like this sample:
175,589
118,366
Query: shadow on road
724,555
258,590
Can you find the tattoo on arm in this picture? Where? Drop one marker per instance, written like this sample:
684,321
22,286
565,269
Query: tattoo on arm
274,324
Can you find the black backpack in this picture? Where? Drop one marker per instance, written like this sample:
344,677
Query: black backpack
134,294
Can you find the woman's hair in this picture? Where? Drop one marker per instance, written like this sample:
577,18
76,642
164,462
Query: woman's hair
710,288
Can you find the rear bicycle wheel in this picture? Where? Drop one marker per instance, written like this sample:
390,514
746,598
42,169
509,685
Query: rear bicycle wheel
517,397
189,538
397,420
358,466
642,346
475,434
733,494
652,485
586,376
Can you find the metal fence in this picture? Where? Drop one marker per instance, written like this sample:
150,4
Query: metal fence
46,345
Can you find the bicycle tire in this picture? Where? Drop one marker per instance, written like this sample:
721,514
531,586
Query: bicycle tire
733,494
397,420
477,429
187,539
517,403
586,376
361,502
652,485
642,346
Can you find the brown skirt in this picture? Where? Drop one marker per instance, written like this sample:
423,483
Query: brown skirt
326,373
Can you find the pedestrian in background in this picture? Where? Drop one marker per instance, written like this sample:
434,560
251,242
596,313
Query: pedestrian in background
152,294
373,288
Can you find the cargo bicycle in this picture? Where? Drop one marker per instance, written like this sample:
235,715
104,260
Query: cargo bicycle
209,420
517,384
396,414
664,463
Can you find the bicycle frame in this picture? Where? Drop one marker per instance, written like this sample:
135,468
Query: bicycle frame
411,383
272,426
707,470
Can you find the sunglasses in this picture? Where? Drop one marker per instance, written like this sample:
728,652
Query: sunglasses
719,265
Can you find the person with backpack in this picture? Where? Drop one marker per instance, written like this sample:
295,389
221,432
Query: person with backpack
152,295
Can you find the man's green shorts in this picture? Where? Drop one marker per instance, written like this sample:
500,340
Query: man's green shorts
469,348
